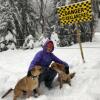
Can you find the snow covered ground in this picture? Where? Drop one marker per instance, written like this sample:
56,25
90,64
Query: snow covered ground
85,85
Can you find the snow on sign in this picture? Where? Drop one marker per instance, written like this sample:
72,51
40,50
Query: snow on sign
75,13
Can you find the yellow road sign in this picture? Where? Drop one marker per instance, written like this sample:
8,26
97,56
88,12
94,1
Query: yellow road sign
75,13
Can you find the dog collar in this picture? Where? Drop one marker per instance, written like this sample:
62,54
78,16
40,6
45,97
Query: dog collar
34,77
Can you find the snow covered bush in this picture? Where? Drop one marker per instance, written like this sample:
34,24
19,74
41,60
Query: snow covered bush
7,42
11,41
55,39
29,42
2,47
43,39
40,42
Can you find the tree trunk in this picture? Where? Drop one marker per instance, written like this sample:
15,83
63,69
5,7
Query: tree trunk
19,36
42,23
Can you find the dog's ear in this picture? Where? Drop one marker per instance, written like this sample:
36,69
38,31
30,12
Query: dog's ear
29,73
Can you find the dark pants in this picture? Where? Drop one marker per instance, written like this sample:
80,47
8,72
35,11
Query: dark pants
47,76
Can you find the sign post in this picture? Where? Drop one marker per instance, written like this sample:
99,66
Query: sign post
75,13
79,41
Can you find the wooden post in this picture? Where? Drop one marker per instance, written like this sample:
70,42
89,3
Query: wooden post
79,41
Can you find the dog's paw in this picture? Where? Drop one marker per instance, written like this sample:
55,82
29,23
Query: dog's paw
36,95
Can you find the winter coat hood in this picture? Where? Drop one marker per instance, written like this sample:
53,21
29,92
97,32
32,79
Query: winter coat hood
45,45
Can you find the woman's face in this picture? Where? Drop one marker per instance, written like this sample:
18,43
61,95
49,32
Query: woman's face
49,47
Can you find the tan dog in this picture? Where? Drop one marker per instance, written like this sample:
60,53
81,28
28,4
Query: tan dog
62,76
27,84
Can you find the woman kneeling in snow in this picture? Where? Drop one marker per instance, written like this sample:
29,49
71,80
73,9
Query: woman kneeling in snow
44,59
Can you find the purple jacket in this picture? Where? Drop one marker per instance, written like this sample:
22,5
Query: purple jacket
44,58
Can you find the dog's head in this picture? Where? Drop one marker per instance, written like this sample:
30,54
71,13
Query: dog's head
57,67
36,71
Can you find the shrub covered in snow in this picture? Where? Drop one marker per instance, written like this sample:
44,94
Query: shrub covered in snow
29,42
55,39
7,42
11,41
40,42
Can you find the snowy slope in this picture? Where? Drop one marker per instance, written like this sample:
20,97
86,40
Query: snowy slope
85,86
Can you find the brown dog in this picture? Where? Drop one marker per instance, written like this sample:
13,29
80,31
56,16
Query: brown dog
27,84
62,76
